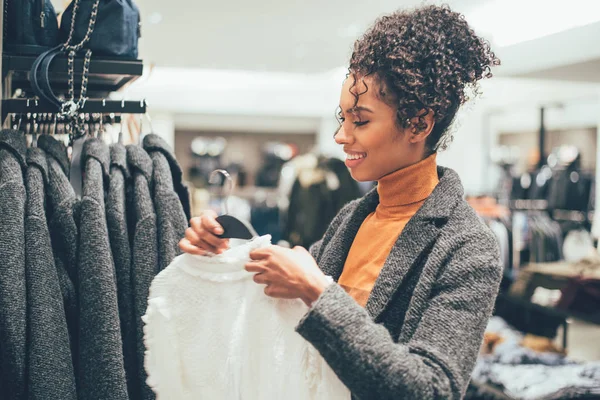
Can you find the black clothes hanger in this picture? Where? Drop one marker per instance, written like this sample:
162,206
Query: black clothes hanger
233,228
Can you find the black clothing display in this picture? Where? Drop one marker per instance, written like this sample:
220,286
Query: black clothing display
317,195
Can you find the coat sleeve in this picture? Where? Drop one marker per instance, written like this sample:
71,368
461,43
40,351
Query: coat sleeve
438,360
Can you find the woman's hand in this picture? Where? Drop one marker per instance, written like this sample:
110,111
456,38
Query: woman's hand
201,237
288,273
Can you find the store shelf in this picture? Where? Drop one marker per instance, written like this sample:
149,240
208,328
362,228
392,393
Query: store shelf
106,74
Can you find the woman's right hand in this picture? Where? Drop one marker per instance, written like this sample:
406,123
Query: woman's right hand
201,237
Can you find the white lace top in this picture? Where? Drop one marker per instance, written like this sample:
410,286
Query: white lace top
212,333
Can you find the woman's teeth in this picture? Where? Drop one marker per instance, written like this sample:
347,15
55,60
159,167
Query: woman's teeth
355,156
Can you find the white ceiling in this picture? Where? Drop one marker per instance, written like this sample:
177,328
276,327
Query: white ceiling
305,36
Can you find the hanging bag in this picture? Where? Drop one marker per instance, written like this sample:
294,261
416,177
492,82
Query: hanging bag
30,26
117,27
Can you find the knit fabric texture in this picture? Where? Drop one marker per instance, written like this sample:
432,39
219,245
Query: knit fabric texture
172,220
401,194
116,220
212,333
13,301
101,371
153,143
144,265
420,332
50,372
62,210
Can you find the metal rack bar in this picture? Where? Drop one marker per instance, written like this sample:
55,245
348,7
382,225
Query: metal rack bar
23,106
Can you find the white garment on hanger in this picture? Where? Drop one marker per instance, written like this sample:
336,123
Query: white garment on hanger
212,333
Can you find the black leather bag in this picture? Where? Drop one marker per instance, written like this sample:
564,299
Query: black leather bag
31,26
117,27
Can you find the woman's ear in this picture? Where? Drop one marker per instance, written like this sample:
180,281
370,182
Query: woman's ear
425,121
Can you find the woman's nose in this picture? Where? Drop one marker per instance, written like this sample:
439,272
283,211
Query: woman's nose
341,137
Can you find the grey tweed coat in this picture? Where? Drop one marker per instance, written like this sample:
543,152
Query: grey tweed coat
50,365
101,370
171,199
116,219
144,250
419,335
13,300
62,210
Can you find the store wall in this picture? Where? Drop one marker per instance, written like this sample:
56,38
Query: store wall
245,148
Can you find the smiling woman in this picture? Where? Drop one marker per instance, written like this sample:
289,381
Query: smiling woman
415,272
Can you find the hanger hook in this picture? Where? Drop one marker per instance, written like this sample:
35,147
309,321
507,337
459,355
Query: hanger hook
54,125
225,193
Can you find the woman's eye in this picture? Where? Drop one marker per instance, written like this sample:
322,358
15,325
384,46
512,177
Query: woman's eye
341,119
361,123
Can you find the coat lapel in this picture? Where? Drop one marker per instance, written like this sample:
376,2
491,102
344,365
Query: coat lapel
416,240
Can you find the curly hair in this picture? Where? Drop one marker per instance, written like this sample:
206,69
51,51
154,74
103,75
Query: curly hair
424,60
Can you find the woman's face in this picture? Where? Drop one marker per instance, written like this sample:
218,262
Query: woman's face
374,144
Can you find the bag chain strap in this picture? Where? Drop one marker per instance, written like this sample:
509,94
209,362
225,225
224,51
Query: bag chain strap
71,107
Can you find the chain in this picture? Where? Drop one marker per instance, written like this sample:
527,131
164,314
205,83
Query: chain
91,25
71,107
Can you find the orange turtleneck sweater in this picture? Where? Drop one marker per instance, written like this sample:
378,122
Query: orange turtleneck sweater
401,194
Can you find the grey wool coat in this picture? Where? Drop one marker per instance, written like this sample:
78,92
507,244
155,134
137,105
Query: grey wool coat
144,249
13,303
50,365
171,199
101,372
116,219
419,335
62,210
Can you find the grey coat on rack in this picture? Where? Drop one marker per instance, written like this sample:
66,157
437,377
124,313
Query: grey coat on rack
50,373
423,325
101,370
13,303
144,247
116,218
171,198
62,210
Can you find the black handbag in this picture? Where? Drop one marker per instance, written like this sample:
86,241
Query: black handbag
117,27
31,26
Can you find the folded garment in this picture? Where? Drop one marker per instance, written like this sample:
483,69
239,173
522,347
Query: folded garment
538,382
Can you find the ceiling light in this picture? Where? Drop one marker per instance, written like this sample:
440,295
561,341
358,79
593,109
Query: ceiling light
508,22
155,18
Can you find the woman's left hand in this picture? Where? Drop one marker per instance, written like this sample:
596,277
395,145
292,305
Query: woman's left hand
288,273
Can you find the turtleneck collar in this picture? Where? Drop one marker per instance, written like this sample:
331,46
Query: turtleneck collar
409,185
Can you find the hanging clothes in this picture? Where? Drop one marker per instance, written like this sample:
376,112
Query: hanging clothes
62,210
212,333
13,301
116,219
322,187
101,369
144,249
171,199
50,373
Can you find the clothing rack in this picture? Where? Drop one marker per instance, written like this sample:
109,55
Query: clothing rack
24,106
